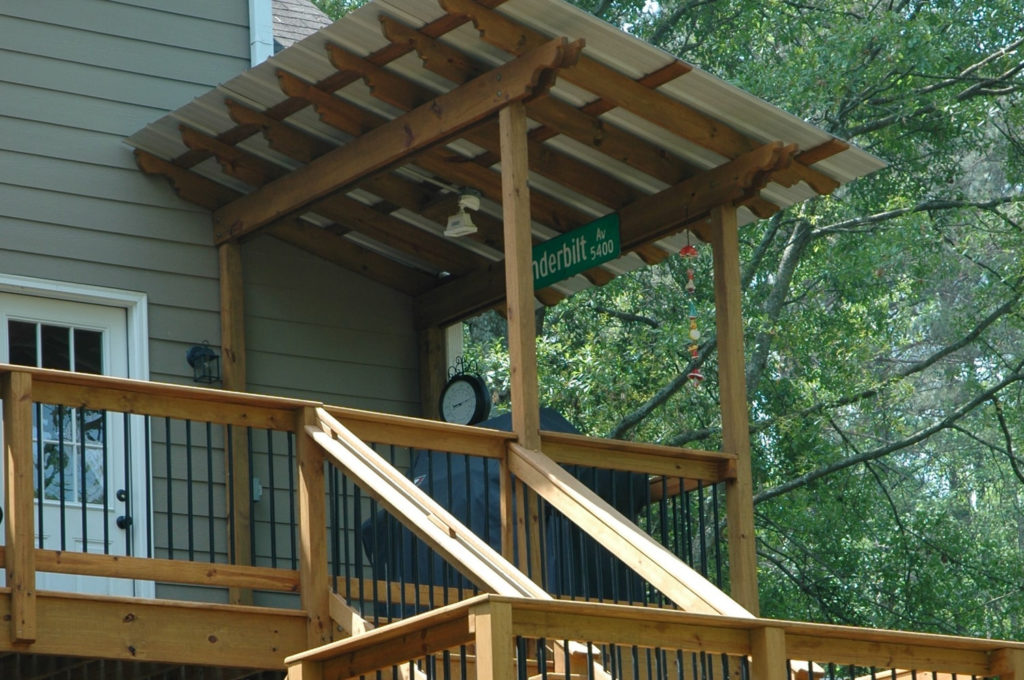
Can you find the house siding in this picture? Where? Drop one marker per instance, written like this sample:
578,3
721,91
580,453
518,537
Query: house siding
76,78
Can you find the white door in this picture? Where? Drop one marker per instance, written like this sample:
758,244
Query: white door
80,454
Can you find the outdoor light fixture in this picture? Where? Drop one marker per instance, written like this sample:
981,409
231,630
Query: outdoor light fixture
461,224
205,363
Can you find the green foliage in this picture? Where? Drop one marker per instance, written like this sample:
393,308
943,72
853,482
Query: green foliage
897,342
336,9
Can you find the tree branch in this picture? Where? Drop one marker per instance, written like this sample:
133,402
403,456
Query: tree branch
880,451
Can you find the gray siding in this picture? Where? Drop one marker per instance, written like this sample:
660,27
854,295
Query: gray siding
76,77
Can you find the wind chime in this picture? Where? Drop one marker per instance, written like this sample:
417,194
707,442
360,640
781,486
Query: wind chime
689,251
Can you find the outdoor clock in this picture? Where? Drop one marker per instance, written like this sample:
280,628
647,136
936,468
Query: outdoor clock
464,399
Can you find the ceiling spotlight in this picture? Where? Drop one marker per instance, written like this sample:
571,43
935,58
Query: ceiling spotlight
461,224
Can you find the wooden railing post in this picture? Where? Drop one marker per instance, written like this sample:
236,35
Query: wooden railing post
232,339
732,389
522,326
313,578
19,531
768,654
1008,664
491,625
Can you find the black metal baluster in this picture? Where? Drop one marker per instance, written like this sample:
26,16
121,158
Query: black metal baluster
272,486
105,452
229,481
60,476
290,440
169,488
717,537
189,494
212,538
82,487
702,525
147,464
40,464
252,502
332,490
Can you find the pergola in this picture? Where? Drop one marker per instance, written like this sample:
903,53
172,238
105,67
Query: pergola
356,143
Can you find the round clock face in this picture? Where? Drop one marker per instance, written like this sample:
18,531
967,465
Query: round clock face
463,400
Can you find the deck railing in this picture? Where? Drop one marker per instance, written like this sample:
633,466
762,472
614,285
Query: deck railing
221,485
499,638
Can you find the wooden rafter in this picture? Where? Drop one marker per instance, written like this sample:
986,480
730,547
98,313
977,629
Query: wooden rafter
351,256
583,125
383,146
442,253
556,117
452,167
626,93
349,214
544,160
188,185
234,161
397,191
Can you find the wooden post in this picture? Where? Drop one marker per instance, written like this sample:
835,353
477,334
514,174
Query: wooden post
1008,664
19,528
314,587
522,325
491,624
732,388
232,341
768,654
306,670
433,362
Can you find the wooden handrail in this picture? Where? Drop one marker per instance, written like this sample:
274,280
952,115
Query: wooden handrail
126,395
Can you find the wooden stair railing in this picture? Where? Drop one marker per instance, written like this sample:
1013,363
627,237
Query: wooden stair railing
488,569
445,534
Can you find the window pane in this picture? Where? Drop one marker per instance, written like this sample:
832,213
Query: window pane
21,338
94,478
56,347
88,354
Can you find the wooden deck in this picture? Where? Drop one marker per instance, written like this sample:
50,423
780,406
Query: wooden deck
67,636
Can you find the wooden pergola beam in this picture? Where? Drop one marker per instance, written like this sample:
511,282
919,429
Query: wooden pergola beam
422,127
668,211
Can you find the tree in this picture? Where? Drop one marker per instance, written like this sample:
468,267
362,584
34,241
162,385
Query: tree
885,340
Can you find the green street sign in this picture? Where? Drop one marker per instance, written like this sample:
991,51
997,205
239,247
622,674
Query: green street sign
576,251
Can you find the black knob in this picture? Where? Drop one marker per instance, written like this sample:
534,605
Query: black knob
121,495
124,521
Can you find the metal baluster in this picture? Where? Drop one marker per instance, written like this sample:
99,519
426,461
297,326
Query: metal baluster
81,486
272,487
169,488
209,492
289,439
189,495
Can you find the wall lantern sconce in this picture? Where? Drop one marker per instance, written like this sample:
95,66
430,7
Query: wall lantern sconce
205,363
